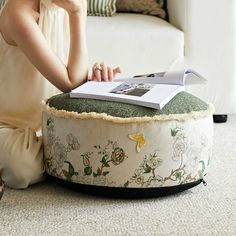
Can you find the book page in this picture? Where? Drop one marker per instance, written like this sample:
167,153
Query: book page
175,77
191,77
180,77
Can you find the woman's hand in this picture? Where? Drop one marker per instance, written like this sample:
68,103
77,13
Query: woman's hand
102,72
72,6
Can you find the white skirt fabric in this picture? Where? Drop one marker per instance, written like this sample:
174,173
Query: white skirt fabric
21,91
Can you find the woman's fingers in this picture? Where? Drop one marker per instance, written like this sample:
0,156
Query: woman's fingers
110,73
97,68
102,72
116,71
72,6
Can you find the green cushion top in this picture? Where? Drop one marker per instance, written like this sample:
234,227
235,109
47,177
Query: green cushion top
180,104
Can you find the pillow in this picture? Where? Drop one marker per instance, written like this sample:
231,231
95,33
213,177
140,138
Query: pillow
148,7
101,7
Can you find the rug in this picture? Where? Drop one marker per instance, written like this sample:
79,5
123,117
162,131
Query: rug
49,209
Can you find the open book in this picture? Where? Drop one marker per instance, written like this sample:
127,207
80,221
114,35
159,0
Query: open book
151,90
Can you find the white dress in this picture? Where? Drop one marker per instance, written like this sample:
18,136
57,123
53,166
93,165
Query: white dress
22,88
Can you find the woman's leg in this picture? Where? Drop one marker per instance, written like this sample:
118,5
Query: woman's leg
21,156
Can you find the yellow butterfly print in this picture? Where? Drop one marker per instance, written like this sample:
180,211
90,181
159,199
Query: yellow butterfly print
139,138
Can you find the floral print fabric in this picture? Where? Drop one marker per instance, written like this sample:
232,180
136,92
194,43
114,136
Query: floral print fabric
103,153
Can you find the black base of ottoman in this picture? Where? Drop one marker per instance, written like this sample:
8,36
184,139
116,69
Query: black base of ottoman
118,192
220,118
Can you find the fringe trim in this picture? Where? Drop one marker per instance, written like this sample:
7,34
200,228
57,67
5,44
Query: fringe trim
103,116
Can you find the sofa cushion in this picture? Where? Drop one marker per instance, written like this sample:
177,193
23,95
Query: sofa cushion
150,7
136,42
101,7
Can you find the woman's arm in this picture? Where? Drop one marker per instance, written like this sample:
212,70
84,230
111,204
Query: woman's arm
78,54
25,32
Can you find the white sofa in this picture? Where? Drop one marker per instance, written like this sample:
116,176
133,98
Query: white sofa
200,34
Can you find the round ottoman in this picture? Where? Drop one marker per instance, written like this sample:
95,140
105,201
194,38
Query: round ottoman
121,150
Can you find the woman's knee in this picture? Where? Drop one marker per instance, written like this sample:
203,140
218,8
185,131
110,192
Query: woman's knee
21,173
21,158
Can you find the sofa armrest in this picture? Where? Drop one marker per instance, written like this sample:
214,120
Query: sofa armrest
209,34
176,12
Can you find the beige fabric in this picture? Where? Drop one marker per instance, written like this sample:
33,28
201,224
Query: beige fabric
22,88
21,156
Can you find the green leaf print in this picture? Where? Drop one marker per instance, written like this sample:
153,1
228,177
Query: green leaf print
66,174
178,176
174,132
126,184
104,161
105,173
49,121
71,169
147,169
99,172
88,170
94,175
200,172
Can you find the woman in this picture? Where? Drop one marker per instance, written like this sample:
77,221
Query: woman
39,39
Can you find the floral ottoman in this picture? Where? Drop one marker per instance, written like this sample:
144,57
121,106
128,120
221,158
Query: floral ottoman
122,150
